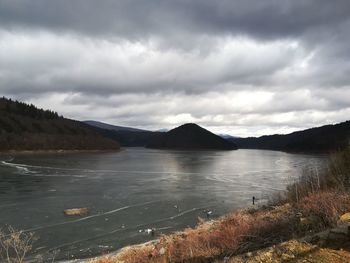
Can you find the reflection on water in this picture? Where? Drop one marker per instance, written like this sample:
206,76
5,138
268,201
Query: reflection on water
133,190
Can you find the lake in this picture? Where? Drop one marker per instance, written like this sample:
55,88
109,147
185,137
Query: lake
133,190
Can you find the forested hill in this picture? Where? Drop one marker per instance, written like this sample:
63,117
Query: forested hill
190,136
25,127
321,139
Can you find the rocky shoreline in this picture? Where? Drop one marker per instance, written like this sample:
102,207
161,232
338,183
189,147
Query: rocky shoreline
338,237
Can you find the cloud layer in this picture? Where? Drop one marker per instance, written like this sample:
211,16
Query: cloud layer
240,67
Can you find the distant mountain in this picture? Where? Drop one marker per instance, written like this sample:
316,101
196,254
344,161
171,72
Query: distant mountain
321,139
125,136
107,126
190,137
227,136
25,127
128,138
162,130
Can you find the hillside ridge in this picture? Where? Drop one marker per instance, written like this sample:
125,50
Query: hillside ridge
190,136
24,127
326,138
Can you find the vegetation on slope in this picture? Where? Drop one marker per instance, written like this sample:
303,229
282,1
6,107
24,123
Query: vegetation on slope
25,127
14,245
326,138
293,252
128,138
190,136
107,126
236,233
322,139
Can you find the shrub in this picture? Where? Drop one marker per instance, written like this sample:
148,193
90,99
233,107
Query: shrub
334,177
14,245
326,206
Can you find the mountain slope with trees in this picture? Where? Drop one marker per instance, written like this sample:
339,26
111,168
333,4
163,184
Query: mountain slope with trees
126,136
321,139
107,126
190,136
25,127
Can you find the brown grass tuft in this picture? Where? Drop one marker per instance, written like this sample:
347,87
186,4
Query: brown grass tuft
232,234
326,206
238,232
15,245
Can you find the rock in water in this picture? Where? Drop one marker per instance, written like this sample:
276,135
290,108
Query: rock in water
76,211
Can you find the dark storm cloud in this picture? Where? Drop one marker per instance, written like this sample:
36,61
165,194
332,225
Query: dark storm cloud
243,67
141,19
45,62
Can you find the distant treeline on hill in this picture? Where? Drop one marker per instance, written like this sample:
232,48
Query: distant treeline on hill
24,109
320,139
190,136
25,127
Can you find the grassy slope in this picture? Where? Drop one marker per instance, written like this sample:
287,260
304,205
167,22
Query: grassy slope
293,252
239,232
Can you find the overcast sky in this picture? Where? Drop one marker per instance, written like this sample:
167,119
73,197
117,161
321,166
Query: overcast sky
248,67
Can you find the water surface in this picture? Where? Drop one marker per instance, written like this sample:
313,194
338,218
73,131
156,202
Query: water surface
131,191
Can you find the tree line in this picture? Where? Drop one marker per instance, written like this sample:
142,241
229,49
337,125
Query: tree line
28,110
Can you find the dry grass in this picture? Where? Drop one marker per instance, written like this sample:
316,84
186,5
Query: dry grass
105,259
15,245
232,234
326,206
293,251
335,177
239,232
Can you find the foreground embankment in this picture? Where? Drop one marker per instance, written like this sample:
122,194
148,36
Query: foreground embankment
240,232
317,202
